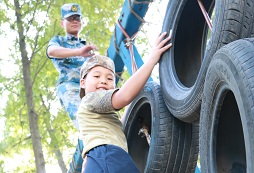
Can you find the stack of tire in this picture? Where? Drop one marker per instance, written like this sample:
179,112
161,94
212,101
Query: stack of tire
204,104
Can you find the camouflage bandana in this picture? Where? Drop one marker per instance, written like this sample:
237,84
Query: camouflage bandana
96,60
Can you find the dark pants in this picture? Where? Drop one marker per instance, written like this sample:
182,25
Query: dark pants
109,159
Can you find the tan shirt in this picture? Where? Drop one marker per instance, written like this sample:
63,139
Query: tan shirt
98,122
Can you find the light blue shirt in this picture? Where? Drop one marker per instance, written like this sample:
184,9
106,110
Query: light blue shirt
68,68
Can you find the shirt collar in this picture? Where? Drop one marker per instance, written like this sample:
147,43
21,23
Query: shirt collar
73,38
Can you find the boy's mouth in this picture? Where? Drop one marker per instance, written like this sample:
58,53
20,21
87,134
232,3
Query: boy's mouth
102,88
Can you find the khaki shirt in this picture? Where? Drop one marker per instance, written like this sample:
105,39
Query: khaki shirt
98,122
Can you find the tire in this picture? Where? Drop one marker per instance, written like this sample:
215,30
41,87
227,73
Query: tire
174,144
182,69
227,110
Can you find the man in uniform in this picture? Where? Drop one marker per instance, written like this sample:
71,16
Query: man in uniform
68,53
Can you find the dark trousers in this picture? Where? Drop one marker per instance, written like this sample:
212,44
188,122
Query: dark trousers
109,159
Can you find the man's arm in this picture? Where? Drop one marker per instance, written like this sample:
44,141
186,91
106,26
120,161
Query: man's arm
136,82
62,52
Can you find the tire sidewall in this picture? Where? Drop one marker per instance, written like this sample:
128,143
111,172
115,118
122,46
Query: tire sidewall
184,102
225,74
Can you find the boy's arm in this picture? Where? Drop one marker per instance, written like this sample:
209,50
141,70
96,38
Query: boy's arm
136,82
62,52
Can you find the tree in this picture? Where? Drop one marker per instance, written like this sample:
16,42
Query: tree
30,124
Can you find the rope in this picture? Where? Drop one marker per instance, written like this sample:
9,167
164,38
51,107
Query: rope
133,12
129,44
119,74
117,48
129,40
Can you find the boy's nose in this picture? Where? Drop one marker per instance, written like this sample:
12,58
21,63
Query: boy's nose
103,81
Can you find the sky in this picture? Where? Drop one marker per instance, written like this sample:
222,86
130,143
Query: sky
154,17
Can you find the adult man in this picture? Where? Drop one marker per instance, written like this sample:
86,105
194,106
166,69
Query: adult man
68,53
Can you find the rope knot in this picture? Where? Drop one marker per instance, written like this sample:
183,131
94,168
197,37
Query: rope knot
128,42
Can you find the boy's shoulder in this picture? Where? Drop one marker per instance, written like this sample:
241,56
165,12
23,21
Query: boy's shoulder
99,101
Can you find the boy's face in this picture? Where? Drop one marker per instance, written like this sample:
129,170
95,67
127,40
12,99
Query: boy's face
72,24
98,78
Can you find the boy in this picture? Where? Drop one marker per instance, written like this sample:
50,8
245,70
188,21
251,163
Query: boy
105,147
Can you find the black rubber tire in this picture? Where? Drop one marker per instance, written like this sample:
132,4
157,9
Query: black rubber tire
227,110
182,69
174,144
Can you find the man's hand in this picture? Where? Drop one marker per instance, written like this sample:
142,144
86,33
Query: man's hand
87,50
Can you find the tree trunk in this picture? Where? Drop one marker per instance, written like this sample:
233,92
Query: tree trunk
56,151
53,142
33,117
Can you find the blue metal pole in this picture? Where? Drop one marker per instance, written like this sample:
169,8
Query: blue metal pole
131,18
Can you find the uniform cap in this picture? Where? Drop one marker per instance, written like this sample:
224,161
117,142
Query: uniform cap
70,9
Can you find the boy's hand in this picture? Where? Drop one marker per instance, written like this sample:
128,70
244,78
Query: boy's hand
132,87
160,46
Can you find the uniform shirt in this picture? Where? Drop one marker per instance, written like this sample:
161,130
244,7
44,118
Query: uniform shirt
98,122
68,68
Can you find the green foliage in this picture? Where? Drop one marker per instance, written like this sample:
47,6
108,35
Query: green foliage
99,16
1,166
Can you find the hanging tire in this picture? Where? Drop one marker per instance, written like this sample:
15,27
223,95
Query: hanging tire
227,111
182,69
174,144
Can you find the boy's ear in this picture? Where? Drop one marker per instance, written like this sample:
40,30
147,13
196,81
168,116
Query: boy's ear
82,83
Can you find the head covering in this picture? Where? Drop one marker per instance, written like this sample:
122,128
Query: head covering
96,60
70,9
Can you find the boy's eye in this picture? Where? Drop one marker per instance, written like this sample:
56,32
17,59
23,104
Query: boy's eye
96,76
110,79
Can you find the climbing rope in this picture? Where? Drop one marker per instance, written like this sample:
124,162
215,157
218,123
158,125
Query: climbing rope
129,44
129,41
135,14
